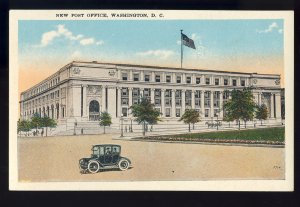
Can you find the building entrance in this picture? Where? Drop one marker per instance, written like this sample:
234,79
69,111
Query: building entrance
94,111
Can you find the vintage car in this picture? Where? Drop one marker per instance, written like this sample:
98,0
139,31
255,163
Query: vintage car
107,156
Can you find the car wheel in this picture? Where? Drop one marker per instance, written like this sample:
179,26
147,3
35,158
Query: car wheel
123,164
93,167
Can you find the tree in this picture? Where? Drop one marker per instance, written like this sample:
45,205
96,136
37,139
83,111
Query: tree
261,113
24,126
36,121
145,113
47,122
105,120
228,118
190,116
241,106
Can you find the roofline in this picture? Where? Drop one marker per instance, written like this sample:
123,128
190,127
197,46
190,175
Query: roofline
141,66
161,67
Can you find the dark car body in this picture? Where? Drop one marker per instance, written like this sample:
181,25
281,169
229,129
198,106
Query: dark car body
106,156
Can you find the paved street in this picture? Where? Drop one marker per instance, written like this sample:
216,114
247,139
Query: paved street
56,159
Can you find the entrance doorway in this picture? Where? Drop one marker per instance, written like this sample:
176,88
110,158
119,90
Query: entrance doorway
94,111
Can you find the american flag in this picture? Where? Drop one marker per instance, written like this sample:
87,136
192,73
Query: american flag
187,41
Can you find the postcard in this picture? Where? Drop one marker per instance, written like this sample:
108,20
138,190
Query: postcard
151,100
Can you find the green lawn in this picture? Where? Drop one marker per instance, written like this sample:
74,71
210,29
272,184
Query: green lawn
266,134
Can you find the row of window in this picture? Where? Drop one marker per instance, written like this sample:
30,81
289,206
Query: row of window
42,99
46,111
43,87
168,97
158,78
168,112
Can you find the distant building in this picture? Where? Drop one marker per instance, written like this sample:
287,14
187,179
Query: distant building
79,91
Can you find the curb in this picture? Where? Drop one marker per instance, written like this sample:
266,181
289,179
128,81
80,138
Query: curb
204,143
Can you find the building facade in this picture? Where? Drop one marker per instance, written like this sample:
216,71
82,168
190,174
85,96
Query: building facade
80,91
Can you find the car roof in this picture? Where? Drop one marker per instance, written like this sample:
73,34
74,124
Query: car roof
105,145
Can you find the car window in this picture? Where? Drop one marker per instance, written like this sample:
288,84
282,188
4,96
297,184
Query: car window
108,150
101,151
116,149
96,150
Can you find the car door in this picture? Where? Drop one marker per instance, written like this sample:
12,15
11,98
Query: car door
115,154
108,155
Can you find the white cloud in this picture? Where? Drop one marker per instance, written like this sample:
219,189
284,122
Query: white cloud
62,31
270,28
47,38
87,41
100,42
280,31
164,54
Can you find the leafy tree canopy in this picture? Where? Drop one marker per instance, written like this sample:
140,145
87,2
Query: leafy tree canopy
105,119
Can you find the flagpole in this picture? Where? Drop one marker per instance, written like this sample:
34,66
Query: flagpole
181,47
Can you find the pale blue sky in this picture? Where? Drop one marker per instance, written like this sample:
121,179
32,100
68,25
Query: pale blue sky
154,42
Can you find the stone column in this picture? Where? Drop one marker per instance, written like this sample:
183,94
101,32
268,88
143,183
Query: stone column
103,96
173,78
259,98
163,77
211,103
152,95
221,105
182,101
119,74
119,101
202,103
84,106
163,102
272,105
278,105
142,76
173,103
130,75
193,99
152,77
130,97
183,77
193,79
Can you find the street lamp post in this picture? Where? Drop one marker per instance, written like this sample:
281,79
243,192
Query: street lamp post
75,124
121,125
217,121
131,130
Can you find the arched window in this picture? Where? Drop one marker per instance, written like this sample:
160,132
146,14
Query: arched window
57,111
94,111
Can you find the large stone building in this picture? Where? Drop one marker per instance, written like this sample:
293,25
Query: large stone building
77,93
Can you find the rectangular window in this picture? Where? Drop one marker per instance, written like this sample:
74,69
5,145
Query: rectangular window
178,79
124,92
198,80
124,112
225,82
168,112
147,78
234,82
216,112
207,99
243,82
168,79
206,112
136,77
124,76
216,81
207,81
157,78
177,112
188,79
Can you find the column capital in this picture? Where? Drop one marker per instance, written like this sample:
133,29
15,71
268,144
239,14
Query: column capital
163,90
183,90
153,89
130,88
173,90
84,85
119,87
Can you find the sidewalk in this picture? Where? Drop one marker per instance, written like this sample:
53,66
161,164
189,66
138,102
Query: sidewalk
130,136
